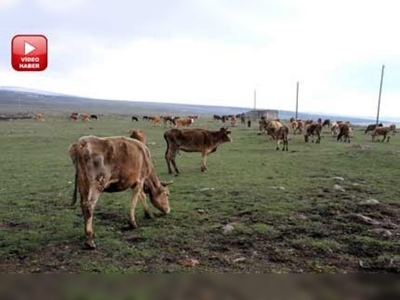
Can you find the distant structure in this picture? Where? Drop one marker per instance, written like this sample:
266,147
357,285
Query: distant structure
269,114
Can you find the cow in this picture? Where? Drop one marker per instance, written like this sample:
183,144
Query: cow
114,164
249,123
326,122
344,131
85,117
144,118
73,117
156,120
291,120
381,131
335,129
242,120
39,117
280,134
193,140
297,126
233,121
139,135
183,122
136,119
93,117
168,120
217,118
313,130
393,128
319,121
271,127
371,127
224,118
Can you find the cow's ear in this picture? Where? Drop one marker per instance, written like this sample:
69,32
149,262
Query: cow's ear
228,132
166,183
222,129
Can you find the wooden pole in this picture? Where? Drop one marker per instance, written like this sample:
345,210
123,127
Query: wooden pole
380,93
255,100
297,99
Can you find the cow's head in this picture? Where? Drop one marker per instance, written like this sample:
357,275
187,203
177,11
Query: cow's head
225,135
160,198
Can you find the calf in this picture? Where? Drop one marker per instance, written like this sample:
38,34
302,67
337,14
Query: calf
280,134
193,140
114,164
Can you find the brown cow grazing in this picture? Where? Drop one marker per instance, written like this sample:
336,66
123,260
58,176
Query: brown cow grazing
183,122
280,134
114,164
139,135
385,131
344,131
39,117
371,127
193,140
85,117
313,130
272,127
168,120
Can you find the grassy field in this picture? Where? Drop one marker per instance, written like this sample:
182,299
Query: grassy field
299,211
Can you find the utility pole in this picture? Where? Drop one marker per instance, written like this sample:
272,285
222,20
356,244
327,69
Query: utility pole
380,93
255,100
297,99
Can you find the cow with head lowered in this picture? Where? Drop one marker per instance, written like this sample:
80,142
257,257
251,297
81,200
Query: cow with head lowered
115,164
193,140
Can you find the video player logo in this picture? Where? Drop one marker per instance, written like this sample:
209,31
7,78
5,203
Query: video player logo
29,53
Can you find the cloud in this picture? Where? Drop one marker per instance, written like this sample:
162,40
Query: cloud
333,49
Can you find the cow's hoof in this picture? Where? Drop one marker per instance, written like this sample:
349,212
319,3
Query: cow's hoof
149,215
90,245
133,225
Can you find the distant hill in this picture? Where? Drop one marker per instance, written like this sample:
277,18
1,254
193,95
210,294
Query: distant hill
23,100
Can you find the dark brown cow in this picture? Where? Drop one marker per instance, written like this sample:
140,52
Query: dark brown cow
344,131
217,118
381,131
73,117
371,127
249,123
193,140
114,164
93,117
313,130
139,135
326,122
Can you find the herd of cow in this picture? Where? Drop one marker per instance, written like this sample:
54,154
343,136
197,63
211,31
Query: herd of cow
114,164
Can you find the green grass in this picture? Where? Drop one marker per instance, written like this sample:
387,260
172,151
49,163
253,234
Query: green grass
306,227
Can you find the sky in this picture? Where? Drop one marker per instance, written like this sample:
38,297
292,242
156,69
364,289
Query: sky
214,52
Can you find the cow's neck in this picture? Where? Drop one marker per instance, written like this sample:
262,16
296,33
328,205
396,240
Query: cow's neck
153,183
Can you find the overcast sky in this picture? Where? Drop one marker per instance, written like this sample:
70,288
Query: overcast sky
214,51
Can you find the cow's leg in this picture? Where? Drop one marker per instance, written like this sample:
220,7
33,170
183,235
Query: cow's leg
384,138
147,212
278,143
173,157
88,204
136,192
168,159
203,161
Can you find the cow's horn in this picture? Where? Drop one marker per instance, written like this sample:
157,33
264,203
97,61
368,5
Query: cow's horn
165,183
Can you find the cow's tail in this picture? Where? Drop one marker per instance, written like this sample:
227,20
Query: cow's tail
73,154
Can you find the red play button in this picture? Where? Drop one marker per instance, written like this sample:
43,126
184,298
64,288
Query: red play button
29,52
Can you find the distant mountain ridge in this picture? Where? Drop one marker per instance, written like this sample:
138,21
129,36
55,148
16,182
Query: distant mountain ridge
17,99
